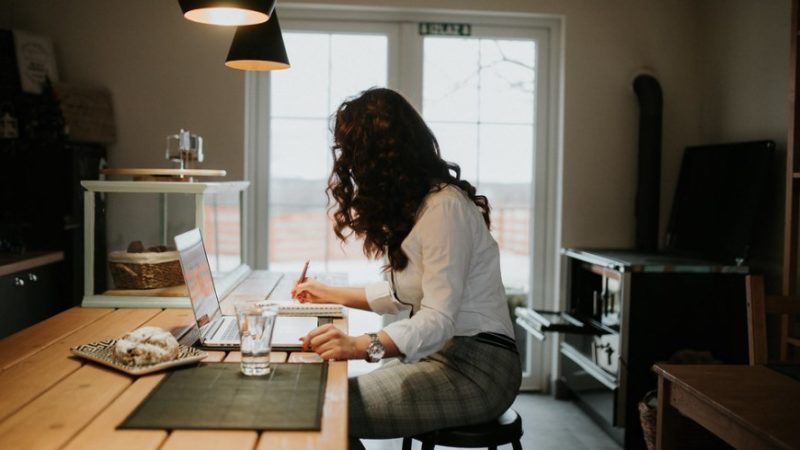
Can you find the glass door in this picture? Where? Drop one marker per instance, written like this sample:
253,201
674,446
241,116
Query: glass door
480,97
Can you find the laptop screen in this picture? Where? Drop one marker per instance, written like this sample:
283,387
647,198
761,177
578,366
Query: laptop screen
197,274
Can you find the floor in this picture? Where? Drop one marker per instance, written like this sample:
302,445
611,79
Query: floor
548,424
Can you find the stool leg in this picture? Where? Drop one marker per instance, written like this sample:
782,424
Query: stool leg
492,447
426,445
516,445
407,443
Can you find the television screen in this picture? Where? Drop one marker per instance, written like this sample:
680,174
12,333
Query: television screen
717,198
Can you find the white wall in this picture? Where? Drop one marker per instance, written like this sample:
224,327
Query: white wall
745,87
165,73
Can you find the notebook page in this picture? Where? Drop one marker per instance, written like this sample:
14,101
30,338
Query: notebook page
289,330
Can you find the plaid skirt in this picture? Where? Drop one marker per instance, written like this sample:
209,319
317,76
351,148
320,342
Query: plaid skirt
469,381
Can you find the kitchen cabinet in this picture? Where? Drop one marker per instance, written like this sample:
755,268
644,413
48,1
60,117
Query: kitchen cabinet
29,290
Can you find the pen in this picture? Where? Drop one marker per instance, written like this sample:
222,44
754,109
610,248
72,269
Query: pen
303,273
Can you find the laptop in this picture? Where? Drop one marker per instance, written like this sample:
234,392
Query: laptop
218,330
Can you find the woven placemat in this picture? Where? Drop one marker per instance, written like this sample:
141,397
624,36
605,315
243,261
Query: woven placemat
218,396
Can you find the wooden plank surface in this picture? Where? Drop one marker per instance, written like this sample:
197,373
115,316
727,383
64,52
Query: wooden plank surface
210,440
756,320
752,399
333,435
49,399
53,418
102,434
668,421
160,171
254,288
26,380
26,342
177,321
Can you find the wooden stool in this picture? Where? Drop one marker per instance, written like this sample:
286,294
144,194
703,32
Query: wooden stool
506,429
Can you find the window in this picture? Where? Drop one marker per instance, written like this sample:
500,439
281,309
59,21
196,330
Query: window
478,97
327,68
491,99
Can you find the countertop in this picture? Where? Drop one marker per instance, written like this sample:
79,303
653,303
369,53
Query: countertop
634,261
12,262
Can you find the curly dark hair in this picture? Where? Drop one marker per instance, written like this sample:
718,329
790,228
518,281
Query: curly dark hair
386,160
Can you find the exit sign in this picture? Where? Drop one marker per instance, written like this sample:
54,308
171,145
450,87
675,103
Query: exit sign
444,29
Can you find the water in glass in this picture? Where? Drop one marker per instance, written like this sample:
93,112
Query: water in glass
256,324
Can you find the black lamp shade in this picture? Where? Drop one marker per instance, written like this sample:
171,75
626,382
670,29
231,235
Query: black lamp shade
227,12
258,47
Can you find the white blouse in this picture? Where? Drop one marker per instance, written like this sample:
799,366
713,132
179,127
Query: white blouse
452,282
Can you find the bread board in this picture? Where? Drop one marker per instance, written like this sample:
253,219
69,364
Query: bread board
161,174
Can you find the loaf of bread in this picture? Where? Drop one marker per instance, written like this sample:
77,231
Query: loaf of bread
146,345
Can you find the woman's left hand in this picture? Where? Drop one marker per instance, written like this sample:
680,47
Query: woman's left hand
330,342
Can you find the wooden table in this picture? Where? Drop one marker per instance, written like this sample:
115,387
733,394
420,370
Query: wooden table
50,399
749,407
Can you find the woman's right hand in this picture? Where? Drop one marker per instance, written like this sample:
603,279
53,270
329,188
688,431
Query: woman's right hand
311,291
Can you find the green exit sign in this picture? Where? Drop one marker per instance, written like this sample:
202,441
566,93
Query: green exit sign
444,29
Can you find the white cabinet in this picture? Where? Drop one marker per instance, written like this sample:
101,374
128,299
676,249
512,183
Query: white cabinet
153,212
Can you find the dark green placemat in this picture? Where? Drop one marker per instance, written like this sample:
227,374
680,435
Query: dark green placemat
218,396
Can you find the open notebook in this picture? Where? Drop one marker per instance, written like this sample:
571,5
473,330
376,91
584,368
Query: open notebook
288,306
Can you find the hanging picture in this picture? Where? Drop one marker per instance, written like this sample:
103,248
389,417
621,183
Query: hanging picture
88,113
35,59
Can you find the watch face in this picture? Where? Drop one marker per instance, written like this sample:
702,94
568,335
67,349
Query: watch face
375,351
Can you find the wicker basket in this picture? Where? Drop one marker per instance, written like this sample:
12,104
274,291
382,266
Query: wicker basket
648,413
148,270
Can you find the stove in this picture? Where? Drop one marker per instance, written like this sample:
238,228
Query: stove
626,310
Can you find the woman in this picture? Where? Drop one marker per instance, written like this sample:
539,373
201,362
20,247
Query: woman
457,363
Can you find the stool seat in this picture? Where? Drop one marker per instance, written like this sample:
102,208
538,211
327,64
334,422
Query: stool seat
506,429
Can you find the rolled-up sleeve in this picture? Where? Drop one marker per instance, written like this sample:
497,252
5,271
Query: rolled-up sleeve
443,231
381,299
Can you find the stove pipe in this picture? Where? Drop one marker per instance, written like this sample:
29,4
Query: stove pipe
648,185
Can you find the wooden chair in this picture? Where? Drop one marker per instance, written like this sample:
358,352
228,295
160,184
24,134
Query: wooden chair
506,429
758,306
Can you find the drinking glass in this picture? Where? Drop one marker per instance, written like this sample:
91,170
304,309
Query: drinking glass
256,324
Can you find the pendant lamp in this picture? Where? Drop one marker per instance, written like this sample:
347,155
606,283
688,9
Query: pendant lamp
227,12
258,47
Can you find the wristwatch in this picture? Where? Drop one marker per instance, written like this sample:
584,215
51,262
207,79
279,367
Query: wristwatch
375,350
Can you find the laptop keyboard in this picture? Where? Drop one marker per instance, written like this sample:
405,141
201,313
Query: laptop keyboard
229,331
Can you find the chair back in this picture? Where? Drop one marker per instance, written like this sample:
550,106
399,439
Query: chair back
759,305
